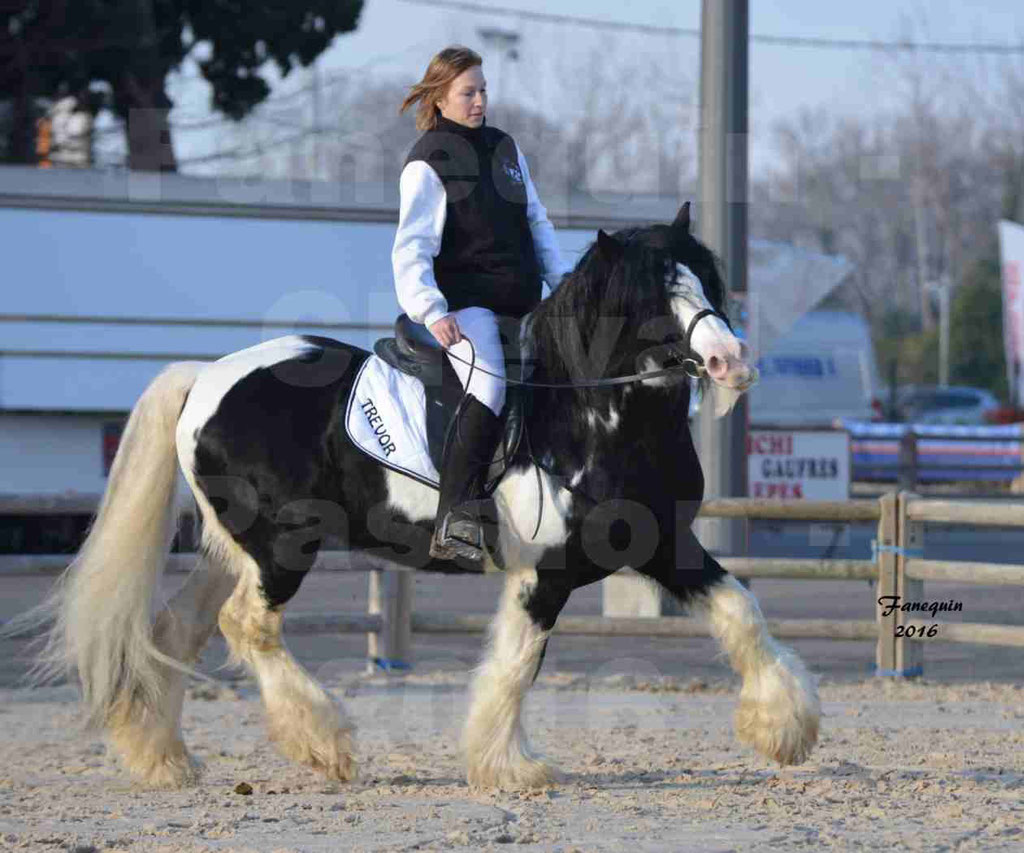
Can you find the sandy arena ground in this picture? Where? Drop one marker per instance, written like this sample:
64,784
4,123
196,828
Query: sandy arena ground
641,727
649,764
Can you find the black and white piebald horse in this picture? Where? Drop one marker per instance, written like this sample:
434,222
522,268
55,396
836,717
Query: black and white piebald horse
607,478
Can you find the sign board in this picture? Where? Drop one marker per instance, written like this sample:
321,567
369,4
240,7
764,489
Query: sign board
799,465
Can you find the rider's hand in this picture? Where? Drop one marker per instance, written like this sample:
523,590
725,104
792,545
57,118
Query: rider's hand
446,331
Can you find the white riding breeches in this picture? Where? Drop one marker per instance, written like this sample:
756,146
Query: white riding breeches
480,325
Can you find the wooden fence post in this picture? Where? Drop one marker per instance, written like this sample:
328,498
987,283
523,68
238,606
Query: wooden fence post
391,596
885,559
909,653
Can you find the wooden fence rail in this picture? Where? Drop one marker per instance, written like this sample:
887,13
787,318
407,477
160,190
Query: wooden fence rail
897,568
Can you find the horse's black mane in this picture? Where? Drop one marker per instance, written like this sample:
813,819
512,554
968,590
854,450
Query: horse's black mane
608,311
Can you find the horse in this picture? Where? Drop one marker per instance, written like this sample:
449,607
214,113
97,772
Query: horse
607,478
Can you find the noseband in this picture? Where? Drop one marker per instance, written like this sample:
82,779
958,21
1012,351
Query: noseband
685,356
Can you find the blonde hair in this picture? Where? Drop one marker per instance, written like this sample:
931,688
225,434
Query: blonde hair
442,70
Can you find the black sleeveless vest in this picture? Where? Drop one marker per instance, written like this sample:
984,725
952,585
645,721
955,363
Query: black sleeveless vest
487,256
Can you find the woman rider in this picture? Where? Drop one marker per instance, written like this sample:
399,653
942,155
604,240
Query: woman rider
472,246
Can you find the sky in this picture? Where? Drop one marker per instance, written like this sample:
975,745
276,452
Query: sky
397,38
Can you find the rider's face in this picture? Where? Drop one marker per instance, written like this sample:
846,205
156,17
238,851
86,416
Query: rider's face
465,102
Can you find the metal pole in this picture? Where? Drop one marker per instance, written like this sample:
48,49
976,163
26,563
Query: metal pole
722,225
923,250
944,330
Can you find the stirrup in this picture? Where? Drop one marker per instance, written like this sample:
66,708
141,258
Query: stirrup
458,536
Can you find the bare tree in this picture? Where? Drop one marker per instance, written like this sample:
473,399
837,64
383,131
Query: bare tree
632,125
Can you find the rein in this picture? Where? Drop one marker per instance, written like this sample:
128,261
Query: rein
688,361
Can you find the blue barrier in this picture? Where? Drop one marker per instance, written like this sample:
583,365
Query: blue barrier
988,453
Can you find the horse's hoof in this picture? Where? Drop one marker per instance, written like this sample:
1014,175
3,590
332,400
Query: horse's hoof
791,745
780,720
342,766
334,759
527,774
168,773
344,769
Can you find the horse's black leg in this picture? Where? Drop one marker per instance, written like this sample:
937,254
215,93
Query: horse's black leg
779,711
496,747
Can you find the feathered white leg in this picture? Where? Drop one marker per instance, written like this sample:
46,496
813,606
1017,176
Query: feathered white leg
303,720
494,743
779,711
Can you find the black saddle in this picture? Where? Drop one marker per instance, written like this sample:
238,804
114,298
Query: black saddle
413,350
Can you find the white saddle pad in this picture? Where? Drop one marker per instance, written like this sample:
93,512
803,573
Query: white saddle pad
386,419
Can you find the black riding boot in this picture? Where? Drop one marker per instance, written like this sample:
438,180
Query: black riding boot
469,447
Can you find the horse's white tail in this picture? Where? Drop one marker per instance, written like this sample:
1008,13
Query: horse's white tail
97,620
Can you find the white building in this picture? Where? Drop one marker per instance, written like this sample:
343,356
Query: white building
109,276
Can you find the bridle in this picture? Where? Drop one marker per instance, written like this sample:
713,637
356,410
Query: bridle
687,358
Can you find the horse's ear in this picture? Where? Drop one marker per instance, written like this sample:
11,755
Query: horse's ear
610,248
682,220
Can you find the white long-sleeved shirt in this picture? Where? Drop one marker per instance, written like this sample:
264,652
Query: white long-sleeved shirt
421,221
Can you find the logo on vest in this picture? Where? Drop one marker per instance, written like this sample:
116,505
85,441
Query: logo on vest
387,446
513,172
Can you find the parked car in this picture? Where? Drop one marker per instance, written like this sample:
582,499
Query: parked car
945,404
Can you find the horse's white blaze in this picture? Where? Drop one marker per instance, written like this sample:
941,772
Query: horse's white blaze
415,500
519,500
711,337
494,741
779,711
